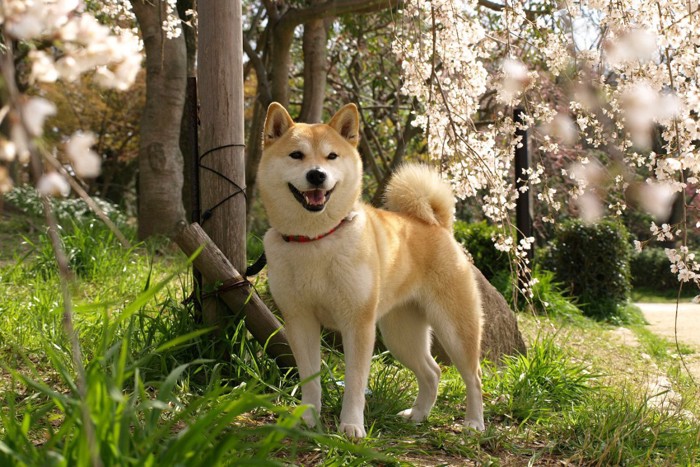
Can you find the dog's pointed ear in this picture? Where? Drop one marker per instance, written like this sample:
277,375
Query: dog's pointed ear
347,123
277,122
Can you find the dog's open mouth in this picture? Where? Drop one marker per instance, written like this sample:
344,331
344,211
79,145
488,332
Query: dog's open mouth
312,200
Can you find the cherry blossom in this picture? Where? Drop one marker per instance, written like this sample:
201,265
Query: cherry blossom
607,76
53,184
35,110
6,183
84,160
64,42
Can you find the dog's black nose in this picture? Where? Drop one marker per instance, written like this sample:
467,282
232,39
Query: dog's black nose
316,177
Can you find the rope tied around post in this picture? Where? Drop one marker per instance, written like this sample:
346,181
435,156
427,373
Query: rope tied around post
238,189
227,285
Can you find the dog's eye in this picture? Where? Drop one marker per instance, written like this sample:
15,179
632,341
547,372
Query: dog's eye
297,155
332,156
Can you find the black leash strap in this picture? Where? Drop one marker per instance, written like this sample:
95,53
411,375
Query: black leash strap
257,266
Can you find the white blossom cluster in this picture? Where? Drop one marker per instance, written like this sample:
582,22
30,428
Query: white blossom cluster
593,76
442,46
77,43
171,23
683,264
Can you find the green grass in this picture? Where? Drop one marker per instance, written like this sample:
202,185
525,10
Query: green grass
666,296
151,394
157,394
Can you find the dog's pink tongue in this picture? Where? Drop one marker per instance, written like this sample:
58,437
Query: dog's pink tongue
315,197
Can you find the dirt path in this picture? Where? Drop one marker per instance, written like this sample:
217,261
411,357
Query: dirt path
662,317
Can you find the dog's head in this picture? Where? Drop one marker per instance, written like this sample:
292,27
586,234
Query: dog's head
309,175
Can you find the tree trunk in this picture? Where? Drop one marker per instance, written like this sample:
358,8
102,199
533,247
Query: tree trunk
160,159
315,70
254,151
282,21
222,143
283,37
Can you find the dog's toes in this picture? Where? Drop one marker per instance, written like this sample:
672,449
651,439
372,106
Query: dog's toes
477,425
352,431
309,417
413,415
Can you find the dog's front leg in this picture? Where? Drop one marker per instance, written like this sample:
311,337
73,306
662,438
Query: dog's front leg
304,334
358,343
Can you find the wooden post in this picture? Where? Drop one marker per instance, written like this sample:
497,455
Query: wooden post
236,293
189,142
222,148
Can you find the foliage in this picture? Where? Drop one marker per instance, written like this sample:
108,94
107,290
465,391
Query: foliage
592,262
113,117
649,270
67,210
477,239
602,89
543,382
148,395
548,297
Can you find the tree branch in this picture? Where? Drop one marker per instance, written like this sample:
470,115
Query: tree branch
294,16
264,88
529,14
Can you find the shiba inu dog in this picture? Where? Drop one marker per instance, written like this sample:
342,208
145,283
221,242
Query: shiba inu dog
334,261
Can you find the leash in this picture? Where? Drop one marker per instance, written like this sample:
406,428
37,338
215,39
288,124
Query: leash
257,266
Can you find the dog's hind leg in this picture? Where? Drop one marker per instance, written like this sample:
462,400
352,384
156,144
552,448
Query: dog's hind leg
304,335
456,319
406,334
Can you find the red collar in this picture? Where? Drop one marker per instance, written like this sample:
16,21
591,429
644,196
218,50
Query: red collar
305,239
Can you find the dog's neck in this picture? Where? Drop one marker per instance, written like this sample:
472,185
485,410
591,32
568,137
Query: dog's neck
305,239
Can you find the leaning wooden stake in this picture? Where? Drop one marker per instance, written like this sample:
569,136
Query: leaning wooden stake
259,320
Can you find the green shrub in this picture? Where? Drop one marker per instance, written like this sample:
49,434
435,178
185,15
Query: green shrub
592,262
67,210
477,238
650,269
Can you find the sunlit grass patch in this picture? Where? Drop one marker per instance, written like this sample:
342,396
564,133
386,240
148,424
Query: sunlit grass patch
159,391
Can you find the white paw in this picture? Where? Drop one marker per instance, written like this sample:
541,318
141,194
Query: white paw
477,425
309,417
352,431
413,415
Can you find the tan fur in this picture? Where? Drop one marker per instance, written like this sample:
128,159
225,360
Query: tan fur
400,269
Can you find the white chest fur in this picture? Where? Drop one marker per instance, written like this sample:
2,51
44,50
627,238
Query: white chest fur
329,277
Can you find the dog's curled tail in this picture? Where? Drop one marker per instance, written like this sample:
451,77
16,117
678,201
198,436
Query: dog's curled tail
418,190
